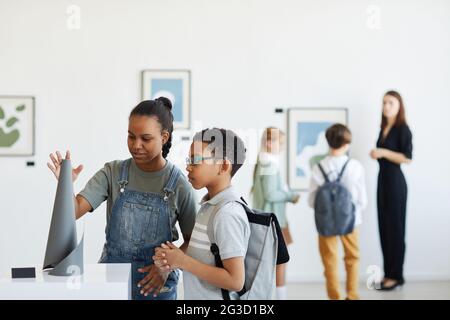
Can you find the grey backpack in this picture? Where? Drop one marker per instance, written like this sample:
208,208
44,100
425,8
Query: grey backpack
266,248
334,209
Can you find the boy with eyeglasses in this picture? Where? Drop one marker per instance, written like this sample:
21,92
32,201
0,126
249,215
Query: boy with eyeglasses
215,156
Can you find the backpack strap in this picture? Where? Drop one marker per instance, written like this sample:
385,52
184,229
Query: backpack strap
323,172
215,251
342,171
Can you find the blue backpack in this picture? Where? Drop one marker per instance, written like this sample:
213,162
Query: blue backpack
334,209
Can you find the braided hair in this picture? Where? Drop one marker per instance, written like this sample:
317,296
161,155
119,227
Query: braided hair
161,109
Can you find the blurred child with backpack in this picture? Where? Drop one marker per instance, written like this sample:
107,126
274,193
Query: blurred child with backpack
338,196
271,194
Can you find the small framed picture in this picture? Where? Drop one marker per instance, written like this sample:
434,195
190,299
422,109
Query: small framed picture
307,144
17,128
174,85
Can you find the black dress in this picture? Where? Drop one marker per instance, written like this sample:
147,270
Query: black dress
391,200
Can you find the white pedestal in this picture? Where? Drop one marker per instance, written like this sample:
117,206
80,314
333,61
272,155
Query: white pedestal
111,281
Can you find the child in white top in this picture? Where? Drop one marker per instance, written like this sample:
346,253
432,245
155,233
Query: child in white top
339,138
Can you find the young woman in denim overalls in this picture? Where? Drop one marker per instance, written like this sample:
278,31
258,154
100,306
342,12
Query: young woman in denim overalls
140,221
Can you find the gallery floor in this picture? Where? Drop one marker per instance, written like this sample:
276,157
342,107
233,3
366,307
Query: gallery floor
430,290
423,290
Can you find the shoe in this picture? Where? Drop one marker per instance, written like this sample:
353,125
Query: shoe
397,283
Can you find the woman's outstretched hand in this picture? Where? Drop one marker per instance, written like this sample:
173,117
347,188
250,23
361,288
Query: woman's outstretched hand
55,165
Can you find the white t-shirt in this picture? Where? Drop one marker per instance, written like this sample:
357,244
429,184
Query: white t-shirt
353,179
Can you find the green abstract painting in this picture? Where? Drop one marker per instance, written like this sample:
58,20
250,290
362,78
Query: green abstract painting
16,126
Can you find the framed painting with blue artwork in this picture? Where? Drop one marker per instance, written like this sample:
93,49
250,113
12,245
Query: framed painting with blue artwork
307,144
16,126
174,85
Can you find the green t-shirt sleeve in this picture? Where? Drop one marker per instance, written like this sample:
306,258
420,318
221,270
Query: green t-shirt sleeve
97,189
187,207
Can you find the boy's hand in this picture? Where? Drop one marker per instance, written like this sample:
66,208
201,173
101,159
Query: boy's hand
56,167
159,259
154,281
169,256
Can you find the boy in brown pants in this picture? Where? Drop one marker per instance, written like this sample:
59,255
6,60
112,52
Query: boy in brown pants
339,138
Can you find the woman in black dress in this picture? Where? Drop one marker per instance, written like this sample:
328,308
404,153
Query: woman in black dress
394,147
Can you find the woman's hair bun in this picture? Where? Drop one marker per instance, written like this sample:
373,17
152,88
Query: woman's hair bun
165,101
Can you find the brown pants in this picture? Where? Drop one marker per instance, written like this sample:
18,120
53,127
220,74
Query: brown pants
328,247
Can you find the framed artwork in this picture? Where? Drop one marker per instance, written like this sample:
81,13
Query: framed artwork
174,85
307,144
17,126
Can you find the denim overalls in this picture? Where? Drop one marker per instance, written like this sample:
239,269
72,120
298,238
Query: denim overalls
139,222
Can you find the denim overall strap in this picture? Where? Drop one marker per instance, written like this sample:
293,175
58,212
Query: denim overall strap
169,189
123,179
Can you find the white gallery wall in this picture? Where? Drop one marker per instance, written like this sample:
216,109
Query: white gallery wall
247,58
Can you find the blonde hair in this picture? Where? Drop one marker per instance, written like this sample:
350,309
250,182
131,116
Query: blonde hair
270,134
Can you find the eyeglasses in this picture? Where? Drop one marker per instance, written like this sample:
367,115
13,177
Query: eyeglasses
192,161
